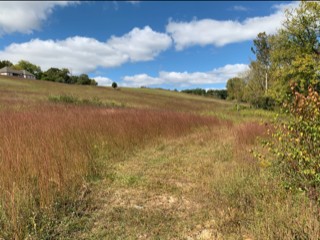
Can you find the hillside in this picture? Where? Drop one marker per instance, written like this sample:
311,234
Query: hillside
32,92
84,162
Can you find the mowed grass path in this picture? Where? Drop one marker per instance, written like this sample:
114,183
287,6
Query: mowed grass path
205,185
165,165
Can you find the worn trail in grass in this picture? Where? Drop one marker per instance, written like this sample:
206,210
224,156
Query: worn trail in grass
205,185
155,193
155,166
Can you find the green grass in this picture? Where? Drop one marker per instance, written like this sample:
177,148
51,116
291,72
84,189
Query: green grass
165,165
70,99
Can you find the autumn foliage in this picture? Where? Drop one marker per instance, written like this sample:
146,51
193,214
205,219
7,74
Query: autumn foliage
297,142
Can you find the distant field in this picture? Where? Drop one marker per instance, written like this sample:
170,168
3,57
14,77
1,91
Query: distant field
33,92
84,162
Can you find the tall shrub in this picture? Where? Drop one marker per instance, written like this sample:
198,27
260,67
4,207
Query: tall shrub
297,142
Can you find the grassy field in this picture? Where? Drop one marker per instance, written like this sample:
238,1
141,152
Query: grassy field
83,162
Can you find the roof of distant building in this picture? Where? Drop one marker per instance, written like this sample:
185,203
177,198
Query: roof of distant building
11,70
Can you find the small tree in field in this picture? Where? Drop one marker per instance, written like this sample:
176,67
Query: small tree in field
114,85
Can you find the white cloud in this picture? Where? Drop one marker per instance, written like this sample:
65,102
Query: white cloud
79,54
240,8
103,81
25,17
219,33
141,45
83,55
141,80
183,79
283,6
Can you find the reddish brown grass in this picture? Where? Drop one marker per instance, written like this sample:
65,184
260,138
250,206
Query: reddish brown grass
246,133
48,153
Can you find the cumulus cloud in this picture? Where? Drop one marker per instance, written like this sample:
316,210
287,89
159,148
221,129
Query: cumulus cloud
219,33
103,81
25,17
141,45
83,55
79,54
182,79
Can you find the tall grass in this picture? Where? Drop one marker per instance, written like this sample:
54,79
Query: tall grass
247,133
47,155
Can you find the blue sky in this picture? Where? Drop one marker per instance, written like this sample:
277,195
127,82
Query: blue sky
169,44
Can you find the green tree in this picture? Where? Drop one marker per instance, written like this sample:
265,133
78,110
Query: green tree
196,91
84,79
235,89
5,63
255,82
261,67
295,56
63,76
73,79
93,82
25,65
114,85
259,77
221,94
57,75
255,89
262,49
295,51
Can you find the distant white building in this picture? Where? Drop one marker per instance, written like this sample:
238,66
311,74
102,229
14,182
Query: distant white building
7,71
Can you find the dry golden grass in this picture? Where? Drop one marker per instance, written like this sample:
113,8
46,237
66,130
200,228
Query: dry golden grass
204,185
47,154
156,168
28,94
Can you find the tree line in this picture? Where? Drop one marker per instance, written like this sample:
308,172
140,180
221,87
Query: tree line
290,56
215,93
62,75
